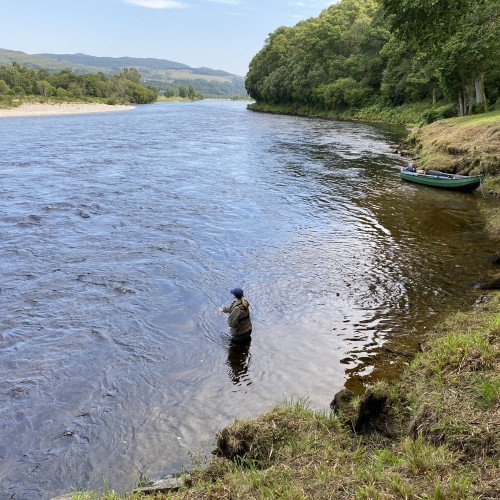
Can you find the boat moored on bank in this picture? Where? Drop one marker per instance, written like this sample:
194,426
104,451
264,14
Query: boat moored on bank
443,180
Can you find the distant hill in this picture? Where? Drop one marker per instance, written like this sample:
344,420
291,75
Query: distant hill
117,63
161,73
36,61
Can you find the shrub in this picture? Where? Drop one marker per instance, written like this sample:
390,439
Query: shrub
439,113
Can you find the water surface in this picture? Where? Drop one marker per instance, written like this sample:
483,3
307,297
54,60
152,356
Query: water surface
118,230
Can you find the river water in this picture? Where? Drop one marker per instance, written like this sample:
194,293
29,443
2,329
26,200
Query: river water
119,232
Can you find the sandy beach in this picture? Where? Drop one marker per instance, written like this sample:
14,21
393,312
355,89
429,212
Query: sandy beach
68,108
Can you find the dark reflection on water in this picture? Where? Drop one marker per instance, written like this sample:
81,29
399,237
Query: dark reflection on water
113,361
238,359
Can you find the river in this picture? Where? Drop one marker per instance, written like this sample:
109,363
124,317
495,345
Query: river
119,232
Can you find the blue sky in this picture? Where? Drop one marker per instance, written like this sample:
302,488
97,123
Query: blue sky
219,34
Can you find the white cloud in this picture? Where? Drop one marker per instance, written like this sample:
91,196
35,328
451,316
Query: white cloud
157,4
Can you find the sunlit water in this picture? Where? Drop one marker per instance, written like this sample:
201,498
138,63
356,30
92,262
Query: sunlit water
120,231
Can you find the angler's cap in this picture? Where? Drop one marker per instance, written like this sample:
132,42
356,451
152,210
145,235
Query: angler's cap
237,292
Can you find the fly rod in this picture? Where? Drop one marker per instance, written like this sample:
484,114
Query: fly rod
206,295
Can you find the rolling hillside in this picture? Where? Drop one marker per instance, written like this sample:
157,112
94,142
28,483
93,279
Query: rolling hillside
160,73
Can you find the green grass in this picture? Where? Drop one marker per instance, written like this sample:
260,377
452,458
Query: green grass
485,118
488,392
453,352
468,145
491,213
408,114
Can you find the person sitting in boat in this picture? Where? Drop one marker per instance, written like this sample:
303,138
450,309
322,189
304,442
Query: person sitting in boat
239,320
410,168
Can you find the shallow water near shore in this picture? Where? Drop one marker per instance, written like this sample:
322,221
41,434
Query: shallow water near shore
118,231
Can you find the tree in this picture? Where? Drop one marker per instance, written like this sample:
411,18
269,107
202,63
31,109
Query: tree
25,80
19,76
131,74
140,94
410,75
274,55
44,88
4,88
183,91
302,64
191,92
63,79
61,93
461,36
373,60
76,90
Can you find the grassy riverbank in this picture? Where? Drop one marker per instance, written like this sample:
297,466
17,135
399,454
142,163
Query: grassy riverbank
470,145
407,115
437,436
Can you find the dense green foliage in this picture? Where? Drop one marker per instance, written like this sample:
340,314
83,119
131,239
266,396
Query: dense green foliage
362,53
457,41
18,81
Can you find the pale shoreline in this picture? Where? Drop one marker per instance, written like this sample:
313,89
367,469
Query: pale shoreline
66,108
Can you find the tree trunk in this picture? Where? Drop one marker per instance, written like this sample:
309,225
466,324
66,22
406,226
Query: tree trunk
469,92
461,104
434,99
480,95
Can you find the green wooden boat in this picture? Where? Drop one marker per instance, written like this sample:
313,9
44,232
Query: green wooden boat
442,180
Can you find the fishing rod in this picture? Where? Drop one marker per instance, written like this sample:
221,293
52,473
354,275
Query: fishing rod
206,295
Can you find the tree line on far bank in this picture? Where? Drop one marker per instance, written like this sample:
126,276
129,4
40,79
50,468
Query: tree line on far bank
385,53
18,81
201,88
